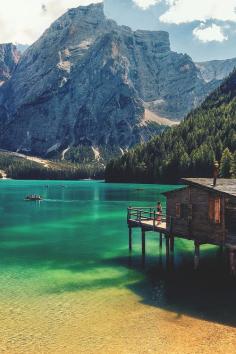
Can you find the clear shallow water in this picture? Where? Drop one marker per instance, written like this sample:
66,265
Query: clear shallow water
68,284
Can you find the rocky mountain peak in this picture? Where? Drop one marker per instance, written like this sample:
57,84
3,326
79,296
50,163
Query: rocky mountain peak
89,82
83,20
95,11
157,39
9,58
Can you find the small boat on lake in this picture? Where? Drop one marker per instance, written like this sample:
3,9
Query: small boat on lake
33,198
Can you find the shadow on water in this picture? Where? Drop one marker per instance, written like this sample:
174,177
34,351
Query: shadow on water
208,293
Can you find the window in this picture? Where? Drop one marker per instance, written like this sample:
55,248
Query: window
215,209
178,210
183,210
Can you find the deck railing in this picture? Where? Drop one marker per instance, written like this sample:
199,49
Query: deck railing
139,214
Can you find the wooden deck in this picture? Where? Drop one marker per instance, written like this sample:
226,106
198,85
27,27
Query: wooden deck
149,225
147,219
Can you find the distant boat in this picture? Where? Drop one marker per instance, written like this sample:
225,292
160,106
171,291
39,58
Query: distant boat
32,198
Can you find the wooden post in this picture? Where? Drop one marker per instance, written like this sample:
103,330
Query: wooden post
171,236
143,243
167,251
130,239
128,214
167,245
196,255
232,261
160,239
172,243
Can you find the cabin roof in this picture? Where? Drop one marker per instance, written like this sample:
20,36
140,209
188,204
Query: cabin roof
223,185
175,190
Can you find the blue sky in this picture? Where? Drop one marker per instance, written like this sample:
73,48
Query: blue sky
204,29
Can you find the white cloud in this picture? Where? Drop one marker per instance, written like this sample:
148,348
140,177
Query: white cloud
145,4
23,21
184,11
210,33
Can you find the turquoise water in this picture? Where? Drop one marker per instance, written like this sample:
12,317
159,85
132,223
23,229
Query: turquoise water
73,246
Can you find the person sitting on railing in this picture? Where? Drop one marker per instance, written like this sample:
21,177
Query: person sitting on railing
159,213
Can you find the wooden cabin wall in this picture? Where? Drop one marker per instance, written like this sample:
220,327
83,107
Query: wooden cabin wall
180,225
195,223
230,223
202,228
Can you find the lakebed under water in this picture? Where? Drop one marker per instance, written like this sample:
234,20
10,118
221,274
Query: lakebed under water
69,285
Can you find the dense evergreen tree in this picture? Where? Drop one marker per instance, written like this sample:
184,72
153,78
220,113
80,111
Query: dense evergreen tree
188,150
233,166
20,168
226,164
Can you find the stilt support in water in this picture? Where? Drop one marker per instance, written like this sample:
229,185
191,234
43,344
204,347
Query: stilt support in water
232,261
196,255
143,243
167,245
130,239
172,243
160,239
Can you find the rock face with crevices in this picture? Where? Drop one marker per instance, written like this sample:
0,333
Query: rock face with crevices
9,57
216,70
88,81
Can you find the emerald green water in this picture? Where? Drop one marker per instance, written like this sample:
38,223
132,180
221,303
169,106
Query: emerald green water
70,251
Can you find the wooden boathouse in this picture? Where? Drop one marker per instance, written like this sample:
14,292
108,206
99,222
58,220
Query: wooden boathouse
203,211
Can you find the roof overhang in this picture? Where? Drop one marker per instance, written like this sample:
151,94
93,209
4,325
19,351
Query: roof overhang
223,186
175,190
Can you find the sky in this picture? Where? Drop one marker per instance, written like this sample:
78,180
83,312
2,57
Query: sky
204,29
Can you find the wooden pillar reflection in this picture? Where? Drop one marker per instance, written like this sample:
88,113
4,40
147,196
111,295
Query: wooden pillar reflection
130,239
196,255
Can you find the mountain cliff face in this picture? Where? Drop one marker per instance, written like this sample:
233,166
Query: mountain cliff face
188,150
216,69
89,82
9,57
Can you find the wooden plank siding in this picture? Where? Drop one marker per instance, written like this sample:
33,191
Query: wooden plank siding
230,222
180,225
203,228
195,224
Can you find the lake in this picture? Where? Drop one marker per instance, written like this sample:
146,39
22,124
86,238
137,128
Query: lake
69,285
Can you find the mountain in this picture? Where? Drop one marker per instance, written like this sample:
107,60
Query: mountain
189,150
91,87
9,57
22,47
216,69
